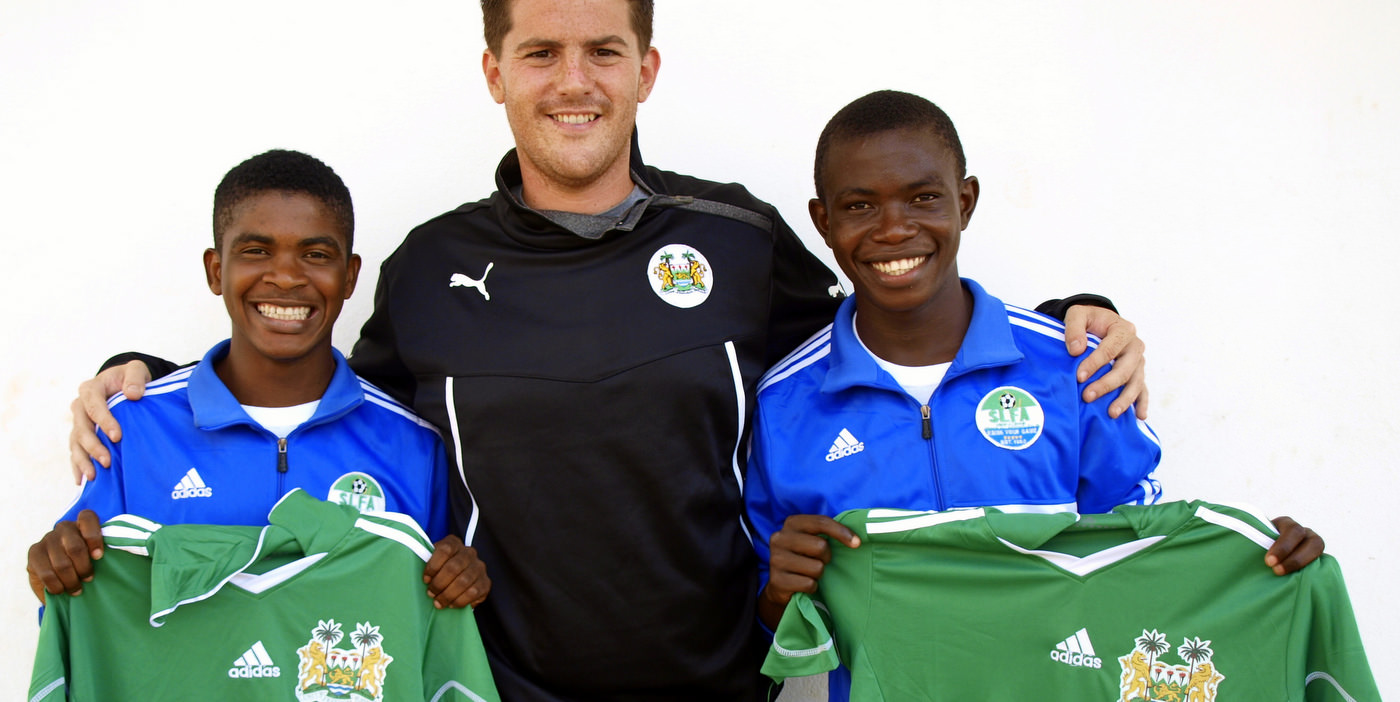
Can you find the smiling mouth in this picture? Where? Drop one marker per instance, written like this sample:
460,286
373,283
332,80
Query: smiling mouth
898,267
574,119
285,314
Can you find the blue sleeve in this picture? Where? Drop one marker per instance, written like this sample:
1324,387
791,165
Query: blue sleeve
765,516
1118,457
104,494
436,527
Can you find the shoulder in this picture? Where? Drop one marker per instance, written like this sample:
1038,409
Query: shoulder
427,238
161,393
800,371
729,200
395,414
1041,337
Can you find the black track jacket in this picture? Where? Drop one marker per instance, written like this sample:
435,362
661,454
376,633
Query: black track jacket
597,418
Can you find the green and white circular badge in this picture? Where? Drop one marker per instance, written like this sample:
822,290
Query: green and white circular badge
358,490
1010,418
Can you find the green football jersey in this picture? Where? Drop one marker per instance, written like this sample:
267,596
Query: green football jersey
324,603
1170,602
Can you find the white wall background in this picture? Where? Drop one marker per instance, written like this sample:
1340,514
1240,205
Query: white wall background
1225,171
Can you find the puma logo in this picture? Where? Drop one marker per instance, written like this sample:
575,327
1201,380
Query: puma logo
462,280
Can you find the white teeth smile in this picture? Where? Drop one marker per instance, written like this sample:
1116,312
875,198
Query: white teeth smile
574,119
286,314
900,267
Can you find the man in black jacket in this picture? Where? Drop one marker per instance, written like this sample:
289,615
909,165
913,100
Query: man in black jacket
589,339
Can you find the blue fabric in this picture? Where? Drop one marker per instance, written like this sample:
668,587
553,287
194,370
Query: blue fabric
190,420
833,431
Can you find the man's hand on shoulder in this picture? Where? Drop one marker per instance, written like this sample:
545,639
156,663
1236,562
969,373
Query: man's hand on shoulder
1120,344
455,576
90,411
1295,547
62,560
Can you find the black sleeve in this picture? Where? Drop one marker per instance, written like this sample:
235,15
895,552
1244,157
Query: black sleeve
804,296
375,356
1058,308
158,367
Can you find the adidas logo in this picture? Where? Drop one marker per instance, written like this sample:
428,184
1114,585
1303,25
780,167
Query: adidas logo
845,445
191,486
1077,651
254,663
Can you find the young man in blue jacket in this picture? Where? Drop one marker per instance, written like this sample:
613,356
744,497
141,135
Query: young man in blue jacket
275,407
926,392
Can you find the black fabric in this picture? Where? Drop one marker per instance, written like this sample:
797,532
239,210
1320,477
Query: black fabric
1059,308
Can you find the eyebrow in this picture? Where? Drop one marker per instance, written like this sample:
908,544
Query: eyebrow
539,43
255,238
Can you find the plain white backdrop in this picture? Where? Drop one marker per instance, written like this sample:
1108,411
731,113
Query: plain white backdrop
1224,171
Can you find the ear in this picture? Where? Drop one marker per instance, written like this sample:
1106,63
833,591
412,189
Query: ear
352,274
651,65
816,209
213,271
492,69
967,198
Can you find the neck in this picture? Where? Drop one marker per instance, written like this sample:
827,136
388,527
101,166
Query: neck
263,382
593,196
925,336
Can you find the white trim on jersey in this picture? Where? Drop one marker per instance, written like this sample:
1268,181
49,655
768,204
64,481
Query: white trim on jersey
170,383
258,584
393,534
740,406
927,519
1091,562
805,652
470,532
453,685
1038,509
48,689
1319,675
1236,525
156,618
1040,327
404,521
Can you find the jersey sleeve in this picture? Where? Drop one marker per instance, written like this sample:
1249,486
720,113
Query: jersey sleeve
103,494
1336,668
803,643
804,295
375,357
1118,457
454,662
49,678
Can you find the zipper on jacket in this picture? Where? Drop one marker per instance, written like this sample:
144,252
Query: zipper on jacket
281,456
925,413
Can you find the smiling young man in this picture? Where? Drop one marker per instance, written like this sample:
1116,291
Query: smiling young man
589,339
275,407
926,393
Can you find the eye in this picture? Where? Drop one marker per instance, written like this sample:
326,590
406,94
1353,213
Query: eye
926,197
858,205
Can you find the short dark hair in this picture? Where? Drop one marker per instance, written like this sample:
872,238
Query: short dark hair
284,171
495,22
883,111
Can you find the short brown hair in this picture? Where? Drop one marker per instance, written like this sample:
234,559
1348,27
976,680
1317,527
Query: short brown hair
495,21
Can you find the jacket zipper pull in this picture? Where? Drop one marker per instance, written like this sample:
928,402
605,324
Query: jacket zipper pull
281,455
928,425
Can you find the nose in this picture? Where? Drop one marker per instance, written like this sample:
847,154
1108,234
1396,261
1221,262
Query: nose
895,225
285,271
575,77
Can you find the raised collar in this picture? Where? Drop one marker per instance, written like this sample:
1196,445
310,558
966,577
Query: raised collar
989,343
215,407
